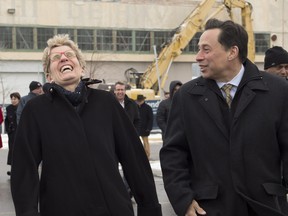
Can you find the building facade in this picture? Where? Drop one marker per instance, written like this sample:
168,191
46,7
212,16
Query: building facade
114,35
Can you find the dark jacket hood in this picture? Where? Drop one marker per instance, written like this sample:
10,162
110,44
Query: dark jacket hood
173,84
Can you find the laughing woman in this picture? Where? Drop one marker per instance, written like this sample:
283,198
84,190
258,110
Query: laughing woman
79,135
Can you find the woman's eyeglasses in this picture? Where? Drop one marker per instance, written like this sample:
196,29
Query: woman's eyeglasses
56,56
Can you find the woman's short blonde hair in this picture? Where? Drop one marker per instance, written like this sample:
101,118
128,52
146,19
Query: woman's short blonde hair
56,41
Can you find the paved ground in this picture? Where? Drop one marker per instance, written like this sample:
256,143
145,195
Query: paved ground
6,205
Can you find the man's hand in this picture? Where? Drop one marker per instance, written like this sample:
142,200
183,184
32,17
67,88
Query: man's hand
195,208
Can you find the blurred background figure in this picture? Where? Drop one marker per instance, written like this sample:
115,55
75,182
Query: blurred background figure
35,90
166,95
11,124
1,121
131,110
128,104
276,61
164,106
146,122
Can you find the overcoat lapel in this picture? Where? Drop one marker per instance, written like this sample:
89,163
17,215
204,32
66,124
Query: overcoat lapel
251,83
209,101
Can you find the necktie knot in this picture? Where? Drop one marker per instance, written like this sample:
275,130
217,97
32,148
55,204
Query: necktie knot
227,89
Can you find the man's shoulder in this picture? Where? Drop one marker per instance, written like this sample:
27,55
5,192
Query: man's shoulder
271,78
100,93
148,106
129,101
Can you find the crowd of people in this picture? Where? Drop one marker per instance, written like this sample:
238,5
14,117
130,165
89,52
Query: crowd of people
225,137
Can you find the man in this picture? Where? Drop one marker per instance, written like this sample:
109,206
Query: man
223,157
164,106
146,122
131,109
35,90
276,61
128,104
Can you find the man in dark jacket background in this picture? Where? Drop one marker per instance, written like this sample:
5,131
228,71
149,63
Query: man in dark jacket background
276,61
128,104
164,106
35,90
131,110
146,122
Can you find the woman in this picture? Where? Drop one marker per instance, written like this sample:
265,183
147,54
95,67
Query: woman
11,123
1,121
79,135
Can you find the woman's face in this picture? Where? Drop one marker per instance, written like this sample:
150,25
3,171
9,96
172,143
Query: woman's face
14,101
65,69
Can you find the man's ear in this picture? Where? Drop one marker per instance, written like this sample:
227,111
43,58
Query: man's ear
233,53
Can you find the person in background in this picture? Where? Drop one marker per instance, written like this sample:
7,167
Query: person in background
128,104
276,61
146,122
164,107
11,124
227,133
79,135
35,90
166,94
131,110
1,121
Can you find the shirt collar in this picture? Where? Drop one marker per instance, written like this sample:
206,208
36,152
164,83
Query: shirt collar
235,81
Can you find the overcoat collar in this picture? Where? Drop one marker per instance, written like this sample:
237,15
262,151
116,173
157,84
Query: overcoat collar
51,92
251,82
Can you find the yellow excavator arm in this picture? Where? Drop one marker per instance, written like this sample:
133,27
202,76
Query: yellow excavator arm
246,14
186,31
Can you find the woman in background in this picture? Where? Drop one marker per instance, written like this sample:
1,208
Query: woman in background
1,120
11,123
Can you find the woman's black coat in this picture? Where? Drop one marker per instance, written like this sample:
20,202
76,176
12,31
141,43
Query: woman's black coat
10,126
79,150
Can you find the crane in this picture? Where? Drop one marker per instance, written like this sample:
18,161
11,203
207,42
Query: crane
183,35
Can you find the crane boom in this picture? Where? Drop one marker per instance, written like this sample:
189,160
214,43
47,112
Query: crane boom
186,31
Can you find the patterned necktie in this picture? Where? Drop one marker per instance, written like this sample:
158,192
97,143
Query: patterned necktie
227,88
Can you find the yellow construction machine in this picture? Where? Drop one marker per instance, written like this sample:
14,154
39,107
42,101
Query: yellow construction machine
152,81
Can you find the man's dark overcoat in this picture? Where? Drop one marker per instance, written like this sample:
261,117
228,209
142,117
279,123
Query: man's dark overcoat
79,149
228,170
146,119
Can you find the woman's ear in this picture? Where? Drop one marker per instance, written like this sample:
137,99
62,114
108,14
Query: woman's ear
83,72
49,78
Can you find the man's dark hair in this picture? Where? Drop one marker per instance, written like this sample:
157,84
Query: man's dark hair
127,86
119,83
232,34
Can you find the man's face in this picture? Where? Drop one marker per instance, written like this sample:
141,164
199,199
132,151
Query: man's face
38,91
280,70
120,92
177,87
212,56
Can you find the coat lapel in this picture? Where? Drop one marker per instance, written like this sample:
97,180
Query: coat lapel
251,83
209,90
